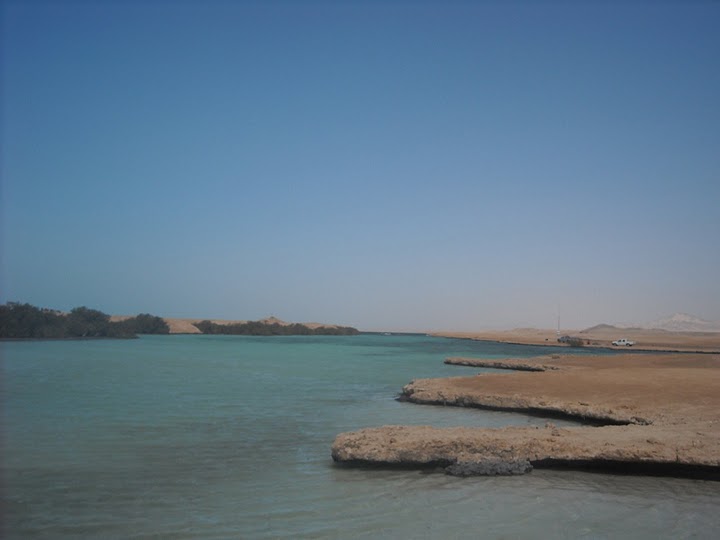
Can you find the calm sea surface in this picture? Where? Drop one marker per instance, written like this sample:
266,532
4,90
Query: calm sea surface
229,437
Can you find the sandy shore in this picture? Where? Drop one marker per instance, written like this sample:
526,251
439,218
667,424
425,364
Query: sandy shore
657,411
603,336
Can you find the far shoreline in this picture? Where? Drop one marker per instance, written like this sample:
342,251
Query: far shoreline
583,347
600,338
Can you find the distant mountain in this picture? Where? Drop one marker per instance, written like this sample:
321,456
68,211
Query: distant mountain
682,322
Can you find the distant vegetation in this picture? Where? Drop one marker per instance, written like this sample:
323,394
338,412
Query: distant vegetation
26,321
146,324
572,341
259,328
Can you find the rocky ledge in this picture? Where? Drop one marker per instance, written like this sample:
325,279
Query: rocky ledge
532,364
456,392
516,450
665,410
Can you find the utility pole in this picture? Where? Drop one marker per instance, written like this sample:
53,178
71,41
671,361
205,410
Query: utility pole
558,320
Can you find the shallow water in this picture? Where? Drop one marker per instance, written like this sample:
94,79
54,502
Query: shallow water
229,437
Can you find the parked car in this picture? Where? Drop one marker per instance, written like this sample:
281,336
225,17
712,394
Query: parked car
623,343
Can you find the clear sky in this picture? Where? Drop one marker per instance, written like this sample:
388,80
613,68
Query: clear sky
386,165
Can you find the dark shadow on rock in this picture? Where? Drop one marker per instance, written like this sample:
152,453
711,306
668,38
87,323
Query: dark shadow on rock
489,468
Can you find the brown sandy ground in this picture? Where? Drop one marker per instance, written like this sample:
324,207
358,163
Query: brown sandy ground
603,336
668,405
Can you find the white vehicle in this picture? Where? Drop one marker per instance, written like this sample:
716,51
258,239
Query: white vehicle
623,343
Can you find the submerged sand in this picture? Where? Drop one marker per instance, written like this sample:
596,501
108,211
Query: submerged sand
661,410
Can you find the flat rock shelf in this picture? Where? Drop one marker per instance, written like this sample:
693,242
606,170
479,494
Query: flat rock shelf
649,414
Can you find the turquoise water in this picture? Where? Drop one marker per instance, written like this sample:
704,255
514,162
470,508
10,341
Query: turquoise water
229,437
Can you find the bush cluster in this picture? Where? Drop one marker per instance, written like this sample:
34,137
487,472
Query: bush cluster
26,321
259,328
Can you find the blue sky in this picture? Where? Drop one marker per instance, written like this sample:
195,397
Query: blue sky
408,165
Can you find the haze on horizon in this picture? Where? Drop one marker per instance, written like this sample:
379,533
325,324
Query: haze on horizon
384,165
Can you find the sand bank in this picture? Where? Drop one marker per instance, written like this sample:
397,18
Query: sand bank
659,411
